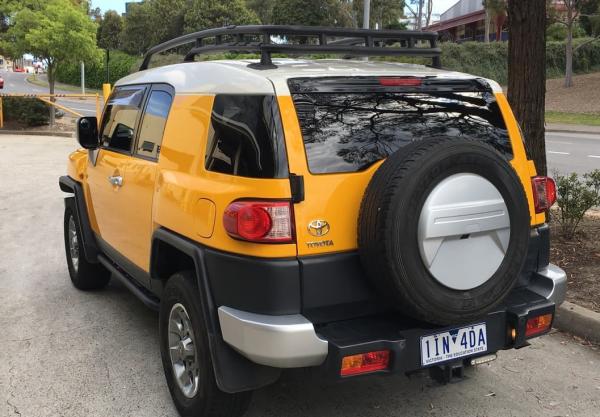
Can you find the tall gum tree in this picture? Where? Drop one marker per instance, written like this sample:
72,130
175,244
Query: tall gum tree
57,32
527,73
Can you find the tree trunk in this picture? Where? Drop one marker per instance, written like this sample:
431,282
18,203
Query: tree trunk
420,15
51,82
527,73
569,50
488,20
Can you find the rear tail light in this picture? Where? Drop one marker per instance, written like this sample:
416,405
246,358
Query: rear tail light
538,324
544,193
400,81
259,221
365,362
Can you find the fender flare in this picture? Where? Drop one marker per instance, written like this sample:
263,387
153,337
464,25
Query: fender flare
77,203
233,372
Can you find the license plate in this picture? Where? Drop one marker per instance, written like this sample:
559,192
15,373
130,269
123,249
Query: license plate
453,344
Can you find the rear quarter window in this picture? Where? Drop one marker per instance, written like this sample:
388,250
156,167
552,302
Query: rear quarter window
347,132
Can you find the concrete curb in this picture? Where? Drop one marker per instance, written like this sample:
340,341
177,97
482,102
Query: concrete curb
36,133
579,321
586,132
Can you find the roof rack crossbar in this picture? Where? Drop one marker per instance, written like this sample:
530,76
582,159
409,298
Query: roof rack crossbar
352,42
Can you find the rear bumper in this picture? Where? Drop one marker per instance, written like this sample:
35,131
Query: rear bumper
290,341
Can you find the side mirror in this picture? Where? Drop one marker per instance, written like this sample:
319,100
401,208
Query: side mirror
87,132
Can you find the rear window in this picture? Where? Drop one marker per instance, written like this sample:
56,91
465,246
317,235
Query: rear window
246,137
347,131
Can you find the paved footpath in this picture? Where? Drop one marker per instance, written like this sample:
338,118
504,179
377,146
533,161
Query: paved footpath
69,353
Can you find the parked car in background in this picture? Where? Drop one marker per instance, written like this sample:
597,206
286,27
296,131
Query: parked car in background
1,82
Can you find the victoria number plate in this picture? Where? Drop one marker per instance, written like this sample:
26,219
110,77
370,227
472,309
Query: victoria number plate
453,344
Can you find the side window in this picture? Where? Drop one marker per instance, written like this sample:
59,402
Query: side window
246,137
153,124
120,117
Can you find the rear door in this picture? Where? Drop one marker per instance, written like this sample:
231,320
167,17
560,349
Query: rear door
340,129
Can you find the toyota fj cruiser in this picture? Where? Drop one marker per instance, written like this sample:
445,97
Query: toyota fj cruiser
352,217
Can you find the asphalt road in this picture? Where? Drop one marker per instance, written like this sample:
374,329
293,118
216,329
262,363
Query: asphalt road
69,353
572,152
15,82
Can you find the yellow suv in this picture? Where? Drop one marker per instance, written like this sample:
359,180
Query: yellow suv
349,216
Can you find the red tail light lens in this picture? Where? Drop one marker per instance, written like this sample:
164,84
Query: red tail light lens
259,221
365,362
537,325
400,81
544,193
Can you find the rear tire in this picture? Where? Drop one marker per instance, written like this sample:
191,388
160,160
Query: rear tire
84,275
185,352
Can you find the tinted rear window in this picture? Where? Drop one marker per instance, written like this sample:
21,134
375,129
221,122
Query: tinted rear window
246,137
347,132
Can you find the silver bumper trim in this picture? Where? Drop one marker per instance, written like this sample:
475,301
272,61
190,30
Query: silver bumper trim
280,341
551,283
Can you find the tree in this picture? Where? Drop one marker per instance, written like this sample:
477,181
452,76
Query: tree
136,36
573,9
167,19
385,14
109,30
494,9
57,33
527,73
263,9
590,18
311,12
206,14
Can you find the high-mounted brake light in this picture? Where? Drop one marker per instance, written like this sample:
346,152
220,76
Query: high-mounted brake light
400,81
544,193
538,324
259,221
365,362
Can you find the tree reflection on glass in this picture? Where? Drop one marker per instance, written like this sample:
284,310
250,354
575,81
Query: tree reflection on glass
346,132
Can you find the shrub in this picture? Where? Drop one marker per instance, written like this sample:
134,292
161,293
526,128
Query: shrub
26,111
120,65
575,197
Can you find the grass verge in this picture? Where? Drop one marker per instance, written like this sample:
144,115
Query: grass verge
32,79
573,118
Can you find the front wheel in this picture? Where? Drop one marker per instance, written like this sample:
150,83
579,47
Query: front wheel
84,275
186,356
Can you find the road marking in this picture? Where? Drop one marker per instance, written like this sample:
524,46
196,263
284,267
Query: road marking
594,156
559,153
559,142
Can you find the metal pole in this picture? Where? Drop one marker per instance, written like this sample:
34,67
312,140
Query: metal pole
82,77
107,69
366,19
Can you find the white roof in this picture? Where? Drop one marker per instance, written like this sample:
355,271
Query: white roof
235,77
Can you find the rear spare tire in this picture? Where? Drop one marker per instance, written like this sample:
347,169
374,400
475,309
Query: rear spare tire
444,229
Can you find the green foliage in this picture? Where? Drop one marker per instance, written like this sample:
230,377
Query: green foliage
590,17
121,65
384,13
109,30
311,12
136,37
206,14
490,60
58,32
263,9
27,111
558,32
575,197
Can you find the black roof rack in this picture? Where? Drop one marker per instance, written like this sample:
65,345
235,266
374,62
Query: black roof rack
260,39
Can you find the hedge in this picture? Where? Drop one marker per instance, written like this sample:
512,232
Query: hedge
485,59
491,60
121,64
26,111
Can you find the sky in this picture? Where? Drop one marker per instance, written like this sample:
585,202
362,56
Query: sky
439,6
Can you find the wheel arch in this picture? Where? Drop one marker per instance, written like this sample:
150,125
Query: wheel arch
78,205
233,372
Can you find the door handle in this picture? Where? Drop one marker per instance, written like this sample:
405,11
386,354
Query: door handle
116,180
